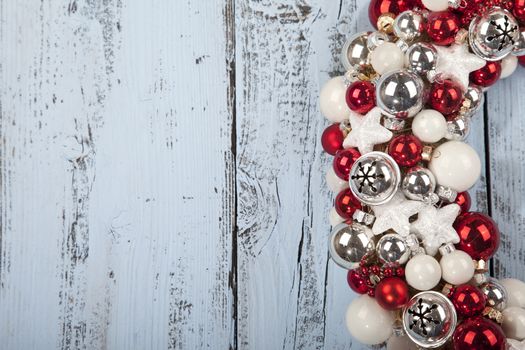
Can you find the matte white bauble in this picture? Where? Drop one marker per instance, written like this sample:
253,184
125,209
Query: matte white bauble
508,66
455,165
334,218
515,292
333,100
400,343
514,323
436,5
429,126
387,57
334,182
457,267
423,272
368,322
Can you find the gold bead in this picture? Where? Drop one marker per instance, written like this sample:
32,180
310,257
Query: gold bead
385,23
426,154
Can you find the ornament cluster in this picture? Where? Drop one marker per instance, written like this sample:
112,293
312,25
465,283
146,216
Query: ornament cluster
402,224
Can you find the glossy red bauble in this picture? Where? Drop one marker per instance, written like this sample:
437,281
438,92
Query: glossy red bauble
332,139
487,75
446,97
478,234
346,204
468,300
361,96
442,27
464,201
519,10
479,334
357,282
343,161
521,60
395,7
392,293
406,150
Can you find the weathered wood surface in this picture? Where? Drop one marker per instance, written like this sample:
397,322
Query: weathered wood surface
162,183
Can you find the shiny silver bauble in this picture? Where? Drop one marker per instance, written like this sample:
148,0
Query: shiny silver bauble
474,96
429,319
496,294
519,47
421,58
419,184
355,51
350,243
374,178
392,249
409,25
458,128
400,93
493,35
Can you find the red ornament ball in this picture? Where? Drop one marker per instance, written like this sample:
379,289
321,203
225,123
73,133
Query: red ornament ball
357,282
392,293
446,97
487,75
519,10
442,27
361,96
406,150
464,201
468,300
479,235
380,7
346,204
332,139
479,334
343,161
521,60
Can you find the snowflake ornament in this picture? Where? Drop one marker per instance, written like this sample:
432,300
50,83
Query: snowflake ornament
367,131
395,215
422,316
456,63
434,226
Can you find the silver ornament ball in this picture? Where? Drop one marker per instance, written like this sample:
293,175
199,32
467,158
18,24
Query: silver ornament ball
350,243
374,178
496,294
519,47
493,35
429,319
400,93
409,25
458,128
355,51
422,58
419,184
474,96
392,249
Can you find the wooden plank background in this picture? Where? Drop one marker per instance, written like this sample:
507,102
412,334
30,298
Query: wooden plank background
162,183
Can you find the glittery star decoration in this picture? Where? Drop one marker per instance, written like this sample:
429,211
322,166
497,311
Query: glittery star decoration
515,344
456,63
434,226
367,131
395,214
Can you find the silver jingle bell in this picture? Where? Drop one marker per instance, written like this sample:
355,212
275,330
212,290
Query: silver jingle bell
422,58
496,294
409,25
350,243
474,96
493,35
392,249
355,51
419,184
374,178
458,128
429,319
400,93
519,47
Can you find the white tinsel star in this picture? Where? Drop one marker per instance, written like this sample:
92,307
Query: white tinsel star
395,214
456,62
516,345
434,226
367,131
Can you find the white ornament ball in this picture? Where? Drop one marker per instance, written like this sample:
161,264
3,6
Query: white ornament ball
455,165
423,272
429,126
515,292
508,66
334,218
436,5
333,100
514,323
334,182
387,57
457,267
368,322
400,343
